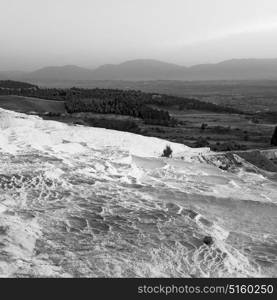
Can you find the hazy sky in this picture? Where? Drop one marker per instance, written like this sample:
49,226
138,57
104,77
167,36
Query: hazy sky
36,33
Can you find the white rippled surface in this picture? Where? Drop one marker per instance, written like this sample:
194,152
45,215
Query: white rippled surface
90,202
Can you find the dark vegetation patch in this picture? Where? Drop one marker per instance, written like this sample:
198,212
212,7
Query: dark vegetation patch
274,138
167,152
121,125
125,106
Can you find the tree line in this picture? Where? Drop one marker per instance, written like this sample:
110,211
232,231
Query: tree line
150,107
134,96
120,106
161,100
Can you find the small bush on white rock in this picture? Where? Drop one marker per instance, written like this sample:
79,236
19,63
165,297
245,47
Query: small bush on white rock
167,152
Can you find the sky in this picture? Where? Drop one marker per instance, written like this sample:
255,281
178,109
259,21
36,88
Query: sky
88,33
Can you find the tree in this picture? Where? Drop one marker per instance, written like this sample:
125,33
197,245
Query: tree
274,138
167,152
204,126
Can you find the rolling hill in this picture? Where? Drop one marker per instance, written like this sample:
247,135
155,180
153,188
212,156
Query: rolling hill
68,72
148,69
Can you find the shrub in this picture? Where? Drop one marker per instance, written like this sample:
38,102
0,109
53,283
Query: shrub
274,138
167,152
204,126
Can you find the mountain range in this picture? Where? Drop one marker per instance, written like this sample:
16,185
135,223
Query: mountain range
149,69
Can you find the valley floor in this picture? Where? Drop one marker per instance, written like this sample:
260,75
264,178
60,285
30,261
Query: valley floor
218,131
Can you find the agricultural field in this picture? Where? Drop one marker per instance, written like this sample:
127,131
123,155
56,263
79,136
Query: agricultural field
215,130
30,105
249,96
251,128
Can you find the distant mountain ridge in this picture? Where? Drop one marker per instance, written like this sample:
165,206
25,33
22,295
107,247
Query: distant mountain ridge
149,69
68,72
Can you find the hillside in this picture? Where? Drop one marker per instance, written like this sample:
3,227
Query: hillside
11,84
68,72
236,69
74,198
140,69
178,119
34,105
